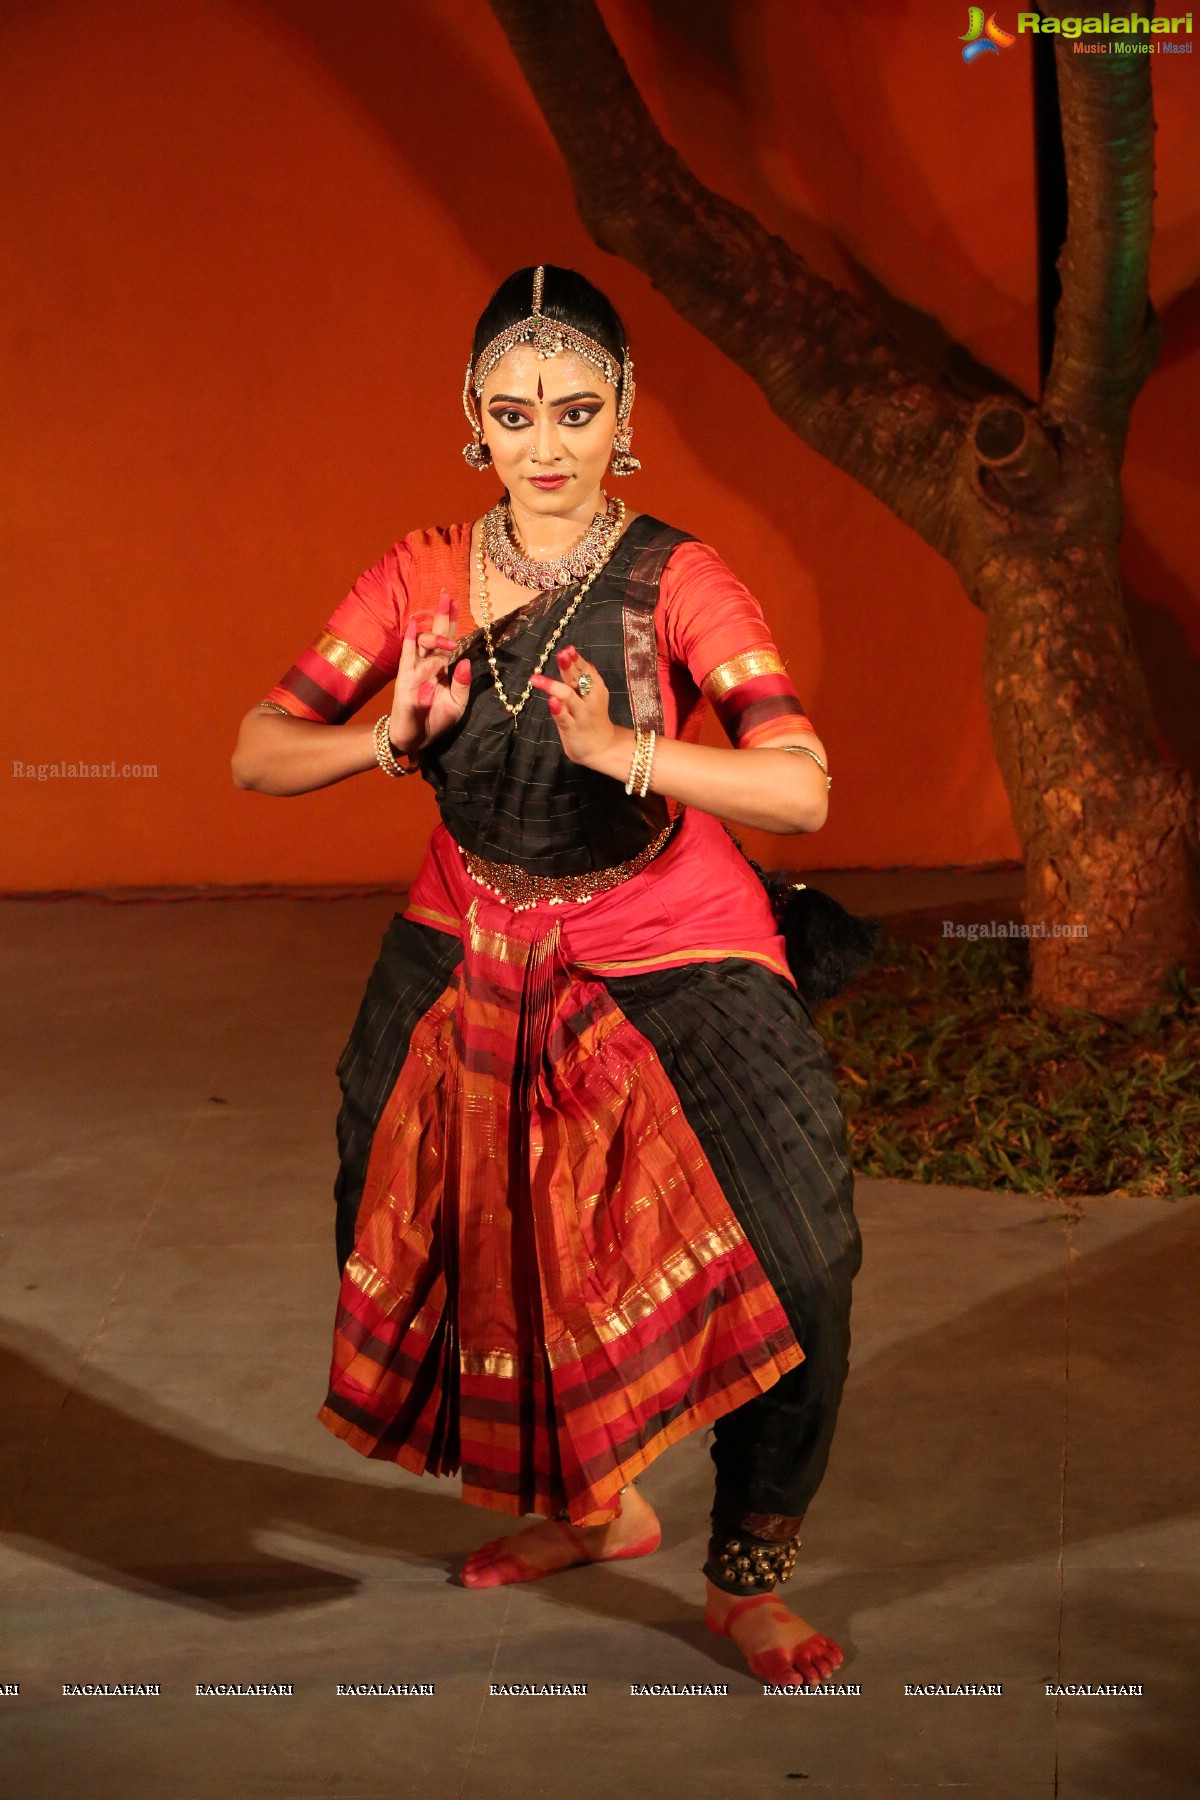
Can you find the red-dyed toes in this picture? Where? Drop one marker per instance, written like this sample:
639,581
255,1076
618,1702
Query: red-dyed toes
774,1666
484,1557
817,1657
486,1577
498,1569
477,1569
490,1575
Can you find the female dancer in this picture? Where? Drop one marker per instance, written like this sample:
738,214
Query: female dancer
594,1189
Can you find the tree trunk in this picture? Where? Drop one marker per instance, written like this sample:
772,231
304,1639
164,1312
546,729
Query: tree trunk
1108,831
1022,499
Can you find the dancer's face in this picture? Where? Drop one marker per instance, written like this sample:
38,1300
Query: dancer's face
549,423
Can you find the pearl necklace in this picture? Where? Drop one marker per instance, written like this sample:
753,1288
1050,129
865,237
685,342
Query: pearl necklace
587,553
610,544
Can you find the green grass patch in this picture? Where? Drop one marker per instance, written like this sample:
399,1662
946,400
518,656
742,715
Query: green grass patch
951,1074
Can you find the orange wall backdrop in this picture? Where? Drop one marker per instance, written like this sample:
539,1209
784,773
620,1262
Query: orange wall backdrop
244,245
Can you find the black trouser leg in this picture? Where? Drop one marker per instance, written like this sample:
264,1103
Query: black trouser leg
756,1083
771,1453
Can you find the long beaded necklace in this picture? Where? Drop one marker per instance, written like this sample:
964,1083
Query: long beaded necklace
500,541
617,519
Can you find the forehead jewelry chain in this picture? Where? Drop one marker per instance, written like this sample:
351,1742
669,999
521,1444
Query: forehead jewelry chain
480,564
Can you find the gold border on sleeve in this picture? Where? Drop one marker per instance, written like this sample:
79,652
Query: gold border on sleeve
745,667
342,656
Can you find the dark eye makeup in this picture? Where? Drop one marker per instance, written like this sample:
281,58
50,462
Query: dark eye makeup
574,416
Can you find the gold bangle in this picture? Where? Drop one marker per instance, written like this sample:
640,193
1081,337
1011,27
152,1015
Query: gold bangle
805,751
385,756
643,754
635,767
274,706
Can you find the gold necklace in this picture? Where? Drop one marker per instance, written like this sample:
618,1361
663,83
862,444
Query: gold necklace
588,551
480,563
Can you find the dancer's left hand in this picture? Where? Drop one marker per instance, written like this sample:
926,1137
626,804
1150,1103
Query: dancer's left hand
584,727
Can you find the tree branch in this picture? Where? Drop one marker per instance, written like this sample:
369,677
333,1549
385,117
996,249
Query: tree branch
1107,335
827,365
1018,462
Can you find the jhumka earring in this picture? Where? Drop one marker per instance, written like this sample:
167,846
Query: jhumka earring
476,452
624,462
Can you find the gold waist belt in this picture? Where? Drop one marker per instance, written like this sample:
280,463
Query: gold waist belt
522,890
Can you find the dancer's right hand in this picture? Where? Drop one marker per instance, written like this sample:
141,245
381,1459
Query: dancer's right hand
427,701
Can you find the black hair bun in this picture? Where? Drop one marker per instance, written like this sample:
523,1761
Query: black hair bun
827,946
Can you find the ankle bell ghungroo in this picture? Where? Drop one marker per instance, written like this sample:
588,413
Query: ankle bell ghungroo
741,1563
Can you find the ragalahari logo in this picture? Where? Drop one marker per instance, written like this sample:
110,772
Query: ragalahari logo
980,37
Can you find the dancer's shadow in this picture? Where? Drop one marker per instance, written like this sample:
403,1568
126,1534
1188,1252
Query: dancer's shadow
144,1506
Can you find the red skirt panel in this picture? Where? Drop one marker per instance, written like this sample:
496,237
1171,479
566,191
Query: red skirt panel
548,1285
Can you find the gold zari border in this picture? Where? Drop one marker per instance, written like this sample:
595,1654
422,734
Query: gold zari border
641,1301
731,674
342,656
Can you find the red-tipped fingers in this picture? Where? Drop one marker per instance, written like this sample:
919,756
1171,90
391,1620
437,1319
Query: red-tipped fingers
462,669
574,663
545,684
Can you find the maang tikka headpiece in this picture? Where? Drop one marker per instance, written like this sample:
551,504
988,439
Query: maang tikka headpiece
550,337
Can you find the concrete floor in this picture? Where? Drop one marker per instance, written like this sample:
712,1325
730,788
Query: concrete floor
1010,1497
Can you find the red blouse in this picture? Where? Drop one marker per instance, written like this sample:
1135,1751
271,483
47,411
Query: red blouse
713,641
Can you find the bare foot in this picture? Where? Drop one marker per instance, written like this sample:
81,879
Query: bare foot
780,1647
552,1544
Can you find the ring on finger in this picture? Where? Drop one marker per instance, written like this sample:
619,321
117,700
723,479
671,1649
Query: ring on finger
584,685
